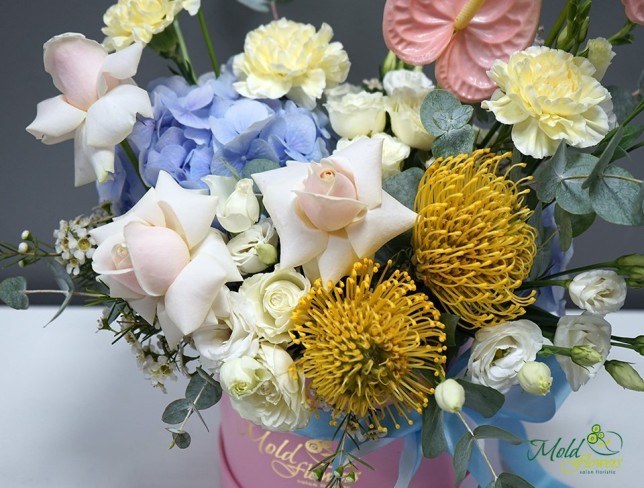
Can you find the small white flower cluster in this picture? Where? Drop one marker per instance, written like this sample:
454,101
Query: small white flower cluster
152,361
74,244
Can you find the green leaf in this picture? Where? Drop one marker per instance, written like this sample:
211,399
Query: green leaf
571,194
12,292
64,282
623,102
177,411
450,321
494,432
509,480
441,112
462,454
549,174
404,186
632,133
432,435
485,400
564,227
454,142
258,166
616,197
182,440
581,223
605,158
202,393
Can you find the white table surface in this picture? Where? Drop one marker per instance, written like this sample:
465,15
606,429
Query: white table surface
76,412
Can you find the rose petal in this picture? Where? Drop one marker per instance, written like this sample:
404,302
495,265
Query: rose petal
158,255
330,213
170,330
56,120
91,163
119,65
214,246
363,159
336,261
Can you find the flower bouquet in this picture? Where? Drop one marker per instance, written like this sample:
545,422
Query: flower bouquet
373,275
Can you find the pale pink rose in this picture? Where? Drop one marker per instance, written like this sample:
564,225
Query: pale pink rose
98,105
166,261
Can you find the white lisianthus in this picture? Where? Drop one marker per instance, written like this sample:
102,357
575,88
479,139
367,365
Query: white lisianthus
266,390
238,207
230,337
251,249
273,297
599,291
401,79
357,114
600,53
450,396
394,152
582,330
535,378
499,353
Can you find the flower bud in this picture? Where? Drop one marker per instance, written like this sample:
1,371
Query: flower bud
390,63
23,247
631,267
625,375
26,235
535,378
318,473
585,355
600,53
267,253
350,477
238,207
450,396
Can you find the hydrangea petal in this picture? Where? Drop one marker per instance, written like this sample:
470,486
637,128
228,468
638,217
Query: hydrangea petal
56,120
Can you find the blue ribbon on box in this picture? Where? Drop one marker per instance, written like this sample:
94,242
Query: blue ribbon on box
519,407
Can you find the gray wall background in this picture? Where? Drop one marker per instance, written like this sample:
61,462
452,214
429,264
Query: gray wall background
36,181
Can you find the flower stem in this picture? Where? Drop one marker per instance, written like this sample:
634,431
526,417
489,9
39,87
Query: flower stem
487,460
276,15
557,26
541,283
490,134
634,113
63,292
208,41
183,62
609,264
132,158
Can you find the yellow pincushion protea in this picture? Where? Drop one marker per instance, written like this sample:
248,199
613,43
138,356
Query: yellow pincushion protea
472,244
365,344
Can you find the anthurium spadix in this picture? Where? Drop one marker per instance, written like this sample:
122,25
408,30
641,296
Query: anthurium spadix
98,102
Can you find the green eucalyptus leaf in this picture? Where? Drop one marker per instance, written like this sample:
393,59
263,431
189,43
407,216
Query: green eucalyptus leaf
177,411
605,158
182,440
623,102
632,133
404,186
441,112
202,393
12,292
485,400
509,480
564,227
258,166
64,282
550,173
494,432
581,223
617,197
454,142
432,437
571,194
462,454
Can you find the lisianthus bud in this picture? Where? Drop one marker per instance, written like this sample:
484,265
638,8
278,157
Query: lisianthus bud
600,53
535,378
450,396
632,268
585,355
267,253
625,375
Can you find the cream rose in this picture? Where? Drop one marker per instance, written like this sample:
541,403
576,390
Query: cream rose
550,96
273,297
357,114
599,291
166,261
238,207
582,330
499,353
255,249
265,390
394,152
403,107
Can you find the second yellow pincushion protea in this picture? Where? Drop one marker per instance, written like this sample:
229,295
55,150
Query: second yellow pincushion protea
366,341
472,244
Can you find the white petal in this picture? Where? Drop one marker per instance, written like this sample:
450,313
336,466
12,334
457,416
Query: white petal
338,258
193,293
91,163
111,118
220,186
170,330
214,246
120,65
56,120
380,225
190,213
364,159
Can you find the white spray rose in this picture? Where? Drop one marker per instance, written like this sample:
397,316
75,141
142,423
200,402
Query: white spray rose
600,291
238,207
499,353
582,330
250,249
231,337
273,297
394,152
266,390
401,79
450,396
357,114
535,378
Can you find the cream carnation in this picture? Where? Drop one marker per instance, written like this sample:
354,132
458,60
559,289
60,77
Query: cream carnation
286,58
550,96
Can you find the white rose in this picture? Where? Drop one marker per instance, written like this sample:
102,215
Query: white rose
535,378
337,92
238,207
499,353
404,110
230,337
582,330
600,291
273,297
248,248
401,79
265,390
450,396
394,152
357,114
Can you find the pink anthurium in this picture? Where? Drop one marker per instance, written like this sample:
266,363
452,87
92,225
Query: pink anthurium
98,102
634,10
464,37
